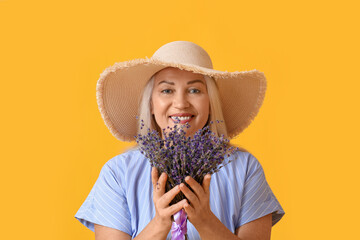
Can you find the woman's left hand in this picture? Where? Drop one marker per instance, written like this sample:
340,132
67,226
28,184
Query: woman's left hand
198,211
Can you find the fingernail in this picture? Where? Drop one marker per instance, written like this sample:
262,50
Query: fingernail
187,178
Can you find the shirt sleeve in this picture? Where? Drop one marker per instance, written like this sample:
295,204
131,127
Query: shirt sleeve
106,203
258,199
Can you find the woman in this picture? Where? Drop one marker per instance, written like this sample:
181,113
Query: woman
129,201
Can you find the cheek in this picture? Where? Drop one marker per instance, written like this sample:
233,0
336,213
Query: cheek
154,103
205,106
158,106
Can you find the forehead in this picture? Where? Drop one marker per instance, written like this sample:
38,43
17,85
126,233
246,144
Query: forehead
174,74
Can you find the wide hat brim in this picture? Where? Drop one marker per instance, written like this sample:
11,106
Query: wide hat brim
120,86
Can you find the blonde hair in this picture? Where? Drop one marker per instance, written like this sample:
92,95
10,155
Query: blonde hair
145,109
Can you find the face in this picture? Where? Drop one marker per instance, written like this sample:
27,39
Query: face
183,95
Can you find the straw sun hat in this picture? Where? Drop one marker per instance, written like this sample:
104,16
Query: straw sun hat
120,86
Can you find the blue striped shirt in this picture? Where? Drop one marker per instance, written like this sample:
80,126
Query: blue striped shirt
121,198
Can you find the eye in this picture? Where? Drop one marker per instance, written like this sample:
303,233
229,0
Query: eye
166,91
194,90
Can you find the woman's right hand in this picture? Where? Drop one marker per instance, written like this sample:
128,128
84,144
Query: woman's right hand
162,200
160,225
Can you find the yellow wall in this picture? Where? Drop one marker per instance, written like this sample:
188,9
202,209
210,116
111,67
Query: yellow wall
54,141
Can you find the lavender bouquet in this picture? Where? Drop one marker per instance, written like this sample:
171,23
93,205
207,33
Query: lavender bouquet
180,156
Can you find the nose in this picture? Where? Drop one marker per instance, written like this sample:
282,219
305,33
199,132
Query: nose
180,101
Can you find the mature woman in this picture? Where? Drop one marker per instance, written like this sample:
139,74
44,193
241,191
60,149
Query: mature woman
178,83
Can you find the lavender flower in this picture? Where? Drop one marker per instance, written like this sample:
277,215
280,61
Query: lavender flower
180,156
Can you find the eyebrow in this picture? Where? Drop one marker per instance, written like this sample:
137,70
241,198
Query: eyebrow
190,82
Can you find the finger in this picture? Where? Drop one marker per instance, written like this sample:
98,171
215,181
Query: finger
199,191
176,207
160,185
166,198
190,211
189,195
206,184
154,176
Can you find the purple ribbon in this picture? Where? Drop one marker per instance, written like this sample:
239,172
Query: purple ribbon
179,226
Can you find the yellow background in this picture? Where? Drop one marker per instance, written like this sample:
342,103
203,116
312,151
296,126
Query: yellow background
54,141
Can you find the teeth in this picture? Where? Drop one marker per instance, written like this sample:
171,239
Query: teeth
181,118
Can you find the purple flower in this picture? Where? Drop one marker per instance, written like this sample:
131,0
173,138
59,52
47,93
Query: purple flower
180,156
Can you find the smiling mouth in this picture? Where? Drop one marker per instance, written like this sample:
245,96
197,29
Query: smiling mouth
182,119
